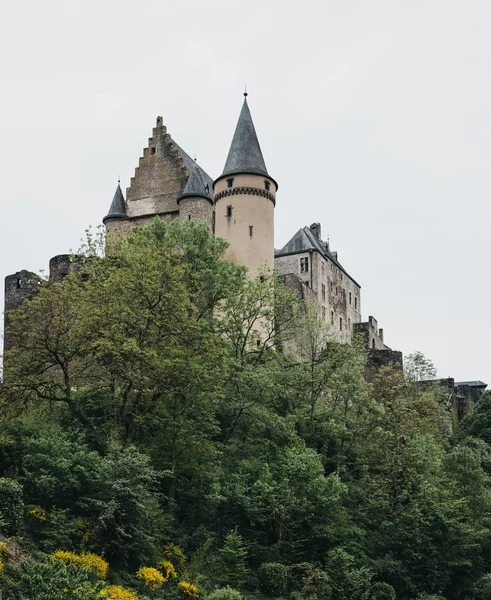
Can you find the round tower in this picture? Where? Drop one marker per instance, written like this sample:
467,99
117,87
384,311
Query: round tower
245,197
116,220
196,199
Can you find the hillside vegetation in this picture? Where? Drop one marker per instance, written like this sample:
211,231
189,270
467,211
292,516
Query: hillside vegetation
153,445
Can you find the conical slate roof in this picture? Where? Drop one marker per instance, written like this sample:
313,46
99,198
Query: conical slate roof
245,154
117,209
197,185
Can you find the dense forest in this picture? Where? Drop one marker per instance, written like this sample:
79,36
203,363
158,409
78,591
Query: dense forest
158,440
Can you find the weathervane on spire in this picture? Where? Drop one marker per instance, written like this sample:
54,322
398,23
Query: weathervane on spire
245,92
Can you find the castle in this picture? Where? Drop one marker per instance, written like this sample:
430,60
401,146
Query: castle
239,206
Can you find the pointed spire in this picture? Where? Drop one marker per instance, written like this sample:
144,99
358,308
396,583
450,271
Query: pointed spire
197,185
117,209
245,154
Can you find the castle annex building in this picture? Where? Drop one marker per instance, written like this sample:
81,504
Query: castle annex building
239,206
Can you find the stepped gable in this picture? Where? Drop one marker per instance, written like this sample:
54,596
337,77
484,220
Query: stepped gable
160,177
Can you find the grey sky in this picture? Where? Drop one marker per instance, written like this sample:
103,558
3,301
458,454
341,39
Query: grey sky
373,116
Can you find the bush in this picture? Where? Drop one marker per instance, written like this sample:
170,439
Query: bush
383,591
11,506
226,593
273,578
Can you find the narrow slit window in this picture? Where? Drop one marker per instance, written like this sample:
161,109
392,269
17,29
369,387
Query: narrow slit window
356,303
332,317
267,185
229,211
323,313
350,298
251,230
323,292
340,323
19,283
230,182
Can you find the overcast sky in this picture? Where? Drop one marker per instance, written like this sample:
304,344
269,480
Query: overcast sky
373,116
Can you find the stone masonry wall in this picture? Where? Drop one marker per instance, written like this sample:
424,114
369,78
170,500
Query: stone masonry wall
198,209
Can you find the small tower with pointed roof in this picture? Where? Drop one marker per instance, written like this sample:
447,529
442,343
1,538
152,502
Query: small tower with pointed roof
196,199
116,220
245,198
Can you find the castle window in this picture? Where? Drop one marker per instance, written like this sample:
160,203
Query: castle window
373,344
350,298
323,313
349,324
230,182
323,292
251,229
258,343
340,323
356,303
304,265
267,185
332,317
19,283
189,217
229,211
322,268
152,150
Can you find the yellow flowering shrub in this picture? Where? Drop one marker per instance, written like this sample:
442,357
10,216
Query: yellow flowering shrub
115,592
38,513
167,569
176,556
188,589
3,552
94,563
151,577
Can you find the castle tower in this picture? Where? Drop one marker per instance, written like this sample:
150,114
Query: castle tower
196,199
245,197
116,220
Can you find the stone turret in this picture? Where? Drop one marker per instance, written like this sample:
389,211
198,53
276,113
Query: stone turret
18,287
245,197
196,200
116,220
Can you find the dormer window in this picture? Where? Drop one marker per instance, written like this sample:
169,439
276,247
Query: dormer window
230,182
267,185
229,211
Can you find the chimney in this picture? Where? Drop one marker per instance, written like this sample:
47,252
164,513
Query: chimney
316,229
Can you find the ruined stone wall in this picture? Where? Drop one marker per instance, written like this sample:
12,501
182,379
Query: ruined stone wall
18,287
382,358
372,334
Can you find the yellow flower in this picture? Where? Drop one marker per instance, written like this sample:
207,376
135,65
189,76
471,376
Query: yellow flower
38,513
115,592
188,589
94,563
167,569
176,556
152,578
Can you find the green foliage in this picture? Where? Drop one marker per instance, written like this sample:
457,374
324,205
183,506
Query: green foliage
273,578
11,506
47,579
145,418
226,593
232,561
382,591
